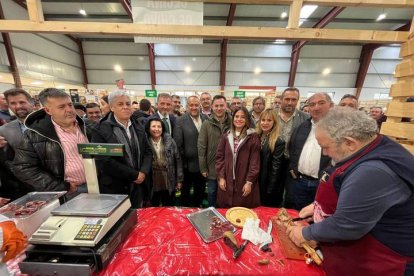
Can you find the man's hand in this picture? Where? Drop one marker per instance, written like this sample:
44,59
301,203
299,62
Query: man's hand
247,188
3,142
295,234
3,201
140,178
14,240
307,211
205,174
73,187
222,184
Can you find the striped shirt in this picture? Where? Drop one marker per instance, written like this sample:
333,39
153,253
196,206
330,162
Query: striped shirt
74,170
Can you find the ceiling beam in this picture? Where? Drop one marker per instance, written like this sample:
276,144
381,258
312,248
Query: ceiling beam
365,60
10,55
229,32
35,10
83,64
329,3
294,14
294,58
223,51
127,8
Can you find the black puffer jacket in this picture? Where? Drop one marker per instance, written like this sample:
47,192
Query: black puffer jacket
39,161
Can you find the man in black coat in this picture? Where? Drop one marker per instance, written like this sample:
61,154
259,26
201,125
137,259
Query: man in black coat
47,159
126,174
186,136
306,159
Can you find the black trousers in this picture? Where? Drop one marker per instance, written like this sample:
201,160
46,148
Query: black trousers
162,198
289,201
198,182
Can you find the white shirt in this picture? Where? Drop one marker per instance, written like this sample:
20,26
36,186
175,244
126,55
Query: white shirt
310,156
197,122
128,132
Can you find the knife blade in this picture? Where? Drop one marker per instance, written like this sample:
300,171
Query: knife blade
299,219
237,253
265,246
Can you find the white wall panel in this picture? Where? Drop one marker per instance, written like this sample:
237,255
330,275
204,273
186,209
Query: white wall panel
114,48
239,64
13,11
330,51
187,50
257,50
38,67
107,77
382,66
318,80
264,79
391,52
179,63
182,78
108,62
62,40
313,65
37,45
379,81
3,55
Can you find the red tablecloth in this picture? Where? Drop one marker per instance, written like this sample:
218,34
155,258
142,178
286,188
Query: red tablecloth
165,243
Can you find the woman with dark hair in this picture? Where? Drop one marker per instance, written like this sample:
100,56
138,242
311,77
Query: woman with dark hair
238,164
104,103
167,169
271,154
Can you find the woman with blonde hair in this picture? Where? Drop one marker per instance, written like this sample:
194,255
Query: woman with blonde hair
238,164
271,154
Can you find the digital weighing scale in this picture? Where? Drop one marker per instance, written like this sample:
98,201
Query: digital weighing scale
81,236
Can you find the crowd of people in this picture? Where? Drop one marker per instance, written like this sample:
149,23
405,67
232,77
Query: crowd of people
328,162
267,157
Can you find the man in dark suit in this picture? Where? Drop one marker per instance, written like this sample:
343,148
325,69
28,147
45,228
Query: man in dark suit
21,103
165,107
186,136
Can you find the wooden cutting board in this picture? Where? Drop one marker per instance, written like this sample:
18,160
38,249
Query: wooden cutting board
289,249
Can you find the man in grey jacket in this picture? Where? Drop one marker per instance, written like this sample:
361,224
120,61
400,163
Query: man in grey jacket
208,139
186,135
21,103
289,119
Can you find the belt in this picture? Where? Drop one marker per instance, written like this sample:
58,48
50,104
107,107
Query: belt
307,177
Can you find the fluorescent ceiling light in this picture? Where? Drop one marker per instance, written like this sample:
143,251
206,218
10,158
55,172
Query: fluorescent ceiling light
257,70
187,69
194,59
37,82
118,68
283,15
279,41
307,10
381,16
141,58
326,71
82,11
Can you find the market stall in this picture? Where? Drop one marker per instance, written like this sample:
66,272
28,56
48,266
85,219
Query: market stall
164,242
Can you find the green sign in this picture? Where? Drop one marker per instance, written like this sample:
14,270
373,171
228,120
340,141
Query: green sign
240,94
101,149
151,93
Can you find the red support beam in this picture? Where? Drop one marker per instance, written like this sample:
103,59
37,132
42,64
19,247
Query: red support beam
82,58
151,57
127,7
299,44
10,54
223,51
365,60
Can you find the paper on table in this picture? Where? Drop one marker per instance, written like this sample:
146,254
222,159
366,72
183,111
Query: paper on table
253,233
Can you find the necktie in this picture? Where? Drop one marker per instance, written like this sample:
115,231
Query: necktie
167,126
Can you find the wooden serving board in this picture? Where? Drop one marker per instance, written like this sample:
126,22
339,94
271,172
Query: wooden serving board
289,249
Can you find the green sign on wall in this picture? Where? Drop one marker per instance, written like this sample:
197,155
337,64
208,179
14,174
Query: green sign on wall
240,94
151,93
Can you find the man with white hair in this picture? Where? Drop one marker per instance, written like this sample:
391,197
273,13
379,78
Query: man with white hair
126,174
363,211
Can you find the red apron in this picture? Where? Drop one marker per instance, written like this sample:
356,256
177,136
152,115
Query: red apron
366,256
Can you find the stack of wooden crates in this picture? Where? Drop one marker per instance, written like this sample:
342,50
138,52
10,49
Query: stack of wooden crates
403,89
